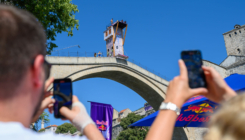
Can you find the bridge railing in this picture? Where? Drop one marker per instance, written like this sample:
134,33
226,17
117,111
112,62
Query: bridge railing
104,54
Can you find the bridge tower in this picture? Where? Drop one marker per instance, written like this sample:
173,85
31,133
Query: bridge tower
234,41
115,39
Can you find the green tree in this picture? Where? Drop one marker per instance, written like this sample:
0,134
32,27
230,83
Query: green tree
134,133
41,130
56,16
45,117
65,128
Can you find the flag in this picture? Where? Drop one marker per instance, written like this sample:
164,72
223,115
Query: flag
102,116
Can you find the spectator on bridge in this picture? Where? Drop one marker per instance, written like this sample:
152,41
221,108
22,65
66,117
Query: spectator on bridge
111,21
221,125
112,51
108,52
99,54
23,71
95,55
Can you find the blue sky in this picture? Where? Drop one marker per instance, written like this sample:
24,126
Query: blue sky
158,31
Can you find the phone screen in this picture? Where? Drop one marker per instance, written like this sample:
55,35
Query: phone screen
193,62
62,95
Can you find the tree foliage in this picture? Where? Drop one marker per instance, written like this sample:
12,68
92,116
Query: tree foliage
131,118
65,128
56,16
45,117
41,130
134,133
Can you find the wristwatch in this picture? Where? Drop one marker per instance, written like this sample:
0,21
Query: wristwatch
169,106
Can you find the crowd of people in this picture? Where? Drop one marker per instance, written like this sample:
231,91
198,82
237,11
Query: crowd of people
24,95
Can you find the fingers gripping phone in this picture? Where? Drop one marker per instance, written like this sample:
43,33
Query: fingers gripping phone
193,62
62,95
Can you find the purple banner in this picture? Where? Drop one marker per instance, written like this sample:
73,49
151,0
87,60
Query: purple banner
102,116
148,107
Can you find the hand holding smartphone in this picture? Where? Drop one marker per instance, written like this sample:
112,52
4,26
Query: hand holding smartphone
62,95
193,62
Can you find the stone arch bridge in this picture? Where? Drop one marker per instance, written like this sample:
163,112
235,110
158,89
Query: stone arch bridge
148,85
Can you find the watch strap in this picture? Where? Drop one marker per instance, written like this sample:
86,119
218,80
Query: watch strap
170,106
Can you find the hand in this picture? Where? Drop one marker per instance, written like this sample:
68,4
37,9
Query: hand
178,89
47,101
78,115
218,90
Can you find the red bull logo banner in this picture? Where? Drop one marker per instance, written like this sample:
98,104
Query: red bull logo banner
205,107
196,115
196,98
102,116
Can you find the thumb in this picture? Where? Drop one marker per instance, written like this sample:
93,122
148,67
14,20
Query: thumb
198,91
66,112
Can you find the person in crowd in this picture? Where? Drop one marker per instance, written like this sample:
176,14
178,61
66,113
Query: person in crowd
108,53
228,122
111,20
23,71
95,55
99,54
111,51
179,92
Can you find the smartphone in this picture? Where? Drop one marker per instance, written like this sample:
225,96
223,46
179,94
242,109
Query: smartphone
193,62
62,95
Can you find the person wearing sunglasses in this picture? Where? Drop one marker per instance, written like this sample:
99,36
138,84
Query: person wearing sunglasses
23,72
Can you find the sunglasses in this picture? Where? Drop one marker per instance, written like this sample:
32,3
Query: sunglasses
47,66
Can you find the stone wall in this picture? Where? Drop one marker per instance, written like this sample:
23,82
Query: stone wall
219,69
231,60
195,133
140,111
239,69
115,113
115,131
234,41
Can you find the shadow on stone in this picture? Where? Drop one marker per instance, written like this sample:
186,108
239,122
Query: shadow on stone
122,61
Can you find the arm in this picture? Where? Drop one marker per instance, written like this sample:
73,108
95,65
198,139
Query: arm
163,126
79,117
178,92
92,133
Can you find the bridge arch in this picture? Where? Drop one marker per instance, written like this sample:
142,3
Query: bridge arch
149,86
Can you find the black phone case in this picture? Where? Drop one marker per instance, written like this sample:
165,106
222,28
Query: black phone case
66,98
201,75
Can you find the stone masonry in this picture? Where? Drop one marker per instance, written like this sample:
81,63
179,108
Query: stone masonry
235,41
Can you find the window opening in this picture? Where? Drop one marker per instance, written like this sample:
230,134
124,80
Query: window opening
235,33
238,50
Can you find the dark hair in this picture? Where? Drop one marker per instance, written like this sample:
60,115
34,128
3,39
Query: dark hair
22,37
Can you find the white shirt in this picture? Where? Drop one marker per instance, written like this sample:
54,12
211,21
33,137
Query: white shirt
16,131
